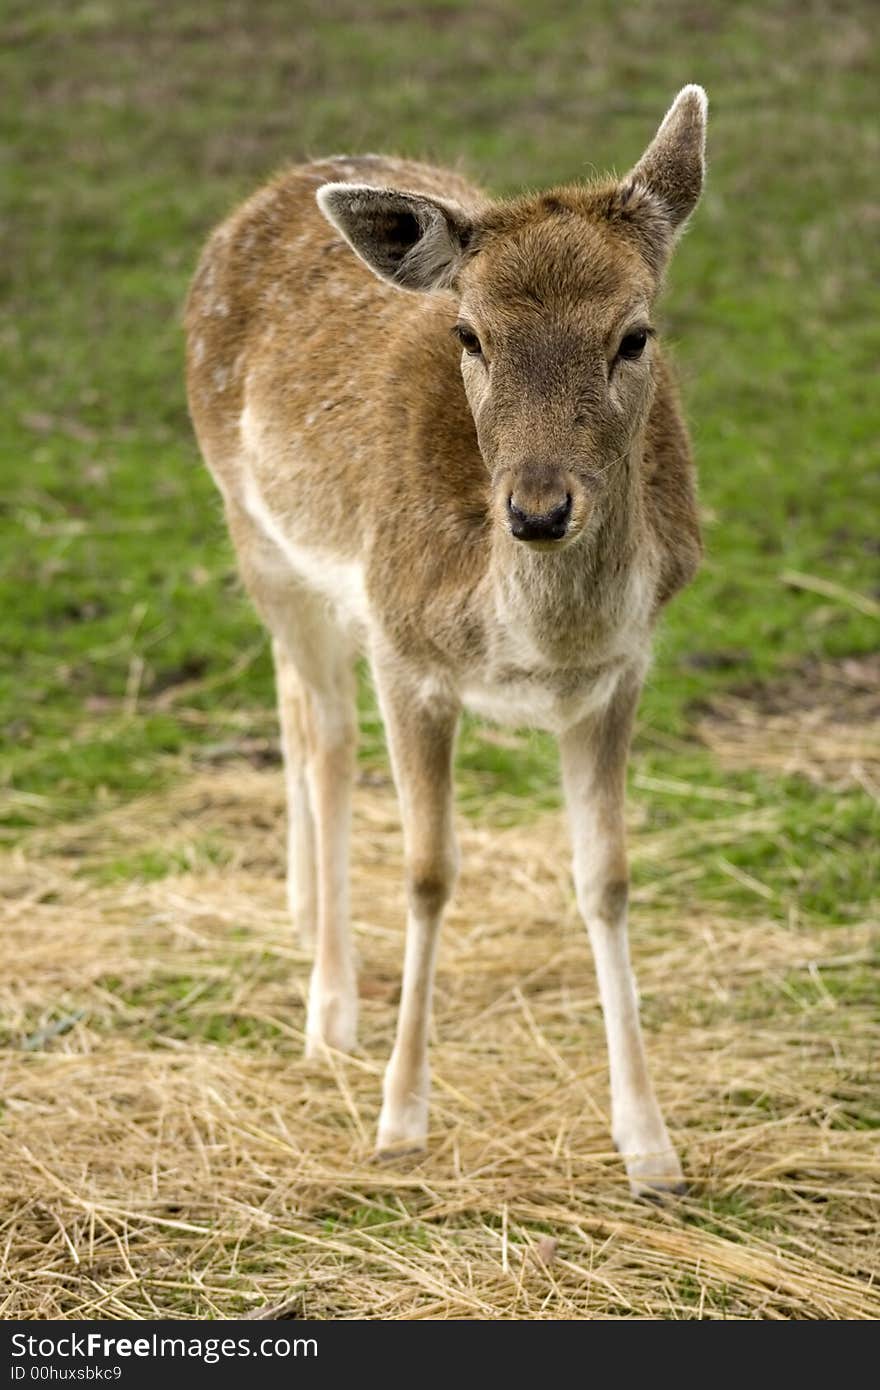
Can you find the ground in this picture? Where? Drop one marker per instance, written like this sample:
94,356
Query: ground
165,1150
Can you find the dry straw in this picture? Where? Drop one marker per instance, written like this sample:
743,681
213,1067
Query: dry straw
167,1152
822,722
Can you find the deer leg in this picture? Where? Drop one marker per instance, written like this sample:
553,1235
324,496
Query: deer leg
594,772
302,885
314,663
421,741
320,734
329,720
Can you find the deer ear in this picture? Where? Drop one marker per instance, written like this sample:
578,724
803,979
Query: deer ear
663,189
415,242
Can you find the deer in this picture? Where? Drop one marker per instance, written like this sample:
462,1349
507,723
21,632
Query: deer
447,441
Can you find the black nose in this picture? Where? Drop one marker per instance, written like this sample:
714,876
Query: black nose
539,526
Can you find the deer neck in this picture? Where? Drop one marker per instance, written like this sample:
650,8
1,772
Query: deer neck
571,604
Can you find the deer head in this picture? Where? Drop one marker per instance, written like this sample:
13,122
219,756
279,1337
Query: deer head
551,299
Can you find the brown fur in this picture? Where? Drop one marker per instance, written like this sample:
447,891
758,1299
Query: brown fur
374,477
279,300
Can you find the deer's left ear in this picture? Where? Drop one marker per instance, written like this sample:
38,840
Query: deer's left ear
661,192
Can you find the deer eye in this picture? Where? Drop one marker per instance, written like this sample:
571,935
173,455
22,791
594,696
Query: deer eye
633,345
468,339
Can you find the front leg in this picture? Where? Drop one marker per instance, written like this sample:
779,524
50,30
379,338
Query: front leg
420,739
594,755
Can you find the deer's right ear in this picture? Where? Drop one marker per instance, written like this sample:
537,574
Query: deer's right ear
415,242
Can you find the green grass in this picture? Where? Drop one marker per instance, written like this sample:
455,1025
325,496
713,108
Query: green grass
130,128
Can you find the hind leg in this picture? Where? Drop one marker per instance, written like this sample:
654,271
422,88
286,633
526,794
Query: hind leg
314,662
302,883
319,721
331,737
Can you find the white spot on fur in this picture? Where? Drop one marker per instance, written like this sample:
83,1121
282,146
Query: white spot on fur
247,426
432,688
261,200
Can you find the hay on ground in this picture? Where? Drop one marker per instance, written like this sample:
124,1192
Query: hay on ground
167,1152
821,722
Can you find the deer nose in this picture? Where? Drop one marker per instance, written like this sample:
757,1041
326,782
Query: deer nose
539,526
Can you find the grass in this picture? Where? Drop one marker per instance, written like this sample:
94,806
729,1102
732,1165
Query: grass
136,689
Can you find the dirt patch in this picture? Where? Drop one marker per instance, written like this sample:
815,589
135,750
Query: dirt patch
821,720
165,1151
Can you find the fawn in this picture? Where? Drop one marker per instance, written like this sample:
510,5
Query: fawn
459,452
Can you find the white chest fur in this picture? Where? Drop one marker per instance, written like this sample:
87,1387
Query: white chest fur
553,703
523,685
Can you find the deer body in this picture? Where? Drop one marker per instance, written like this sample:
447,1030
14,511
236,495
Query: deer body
484,485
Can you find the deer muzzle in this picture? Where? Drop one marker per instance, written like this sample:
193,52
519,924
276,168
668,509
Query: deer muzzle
540,503
550,525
